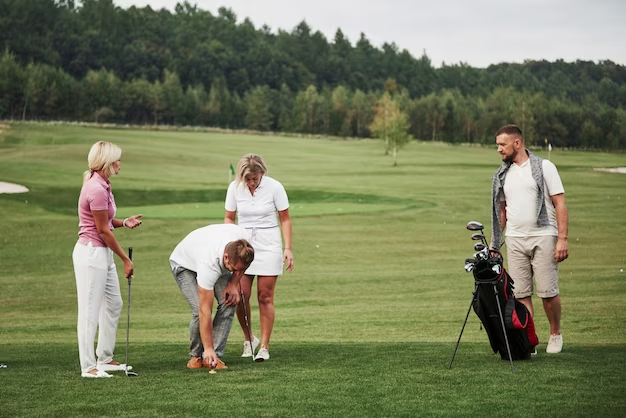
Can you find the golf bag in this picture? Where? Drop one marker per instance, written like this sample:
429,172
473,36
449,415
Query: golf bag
493,287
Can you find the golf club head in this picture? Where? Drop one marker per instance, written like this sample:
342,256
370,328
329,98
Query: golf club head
479,246
497,269
469,264
475,226
131,374
478,237
481,255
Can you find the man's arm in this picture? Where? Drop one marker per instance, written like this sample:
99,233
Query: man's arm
206,326
502,220
561,252
231,292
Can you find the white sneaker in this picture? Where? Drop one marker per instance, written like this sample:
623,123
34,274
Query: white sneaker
107,367
262,355
247,352
99,373
555,345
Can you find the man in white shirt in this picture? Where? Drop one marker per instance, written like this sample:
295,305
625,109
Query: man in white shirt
529,200
208,263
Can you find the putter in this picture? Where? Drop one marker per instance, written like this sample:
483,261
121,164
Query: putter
248,328
129,373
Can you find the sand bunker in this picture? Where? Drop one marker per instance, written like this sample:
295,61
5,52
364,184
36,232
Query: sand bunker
12,188
612,170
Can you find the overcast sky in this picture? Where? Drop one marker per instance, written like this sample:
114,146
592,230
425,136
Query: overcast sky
476,32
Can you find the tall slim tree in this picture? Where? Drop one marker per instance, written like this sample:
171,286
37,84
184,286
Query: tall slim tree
391,125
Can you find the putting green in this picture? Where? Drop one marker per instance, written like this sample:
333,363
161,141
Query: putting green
215,210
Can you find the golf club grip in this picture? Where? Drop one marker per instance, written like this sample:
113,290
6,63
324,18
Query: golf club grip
130,253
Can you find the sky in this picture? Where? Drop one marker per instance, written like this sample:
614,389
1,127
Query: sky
475,32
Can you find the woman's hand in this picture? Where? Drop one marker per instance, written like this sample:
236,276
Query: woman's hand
129,268
132,222
288,258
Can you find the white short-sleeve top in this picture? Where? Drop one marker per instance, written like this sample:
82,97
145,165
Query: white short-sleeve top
258,210
520,191
202,251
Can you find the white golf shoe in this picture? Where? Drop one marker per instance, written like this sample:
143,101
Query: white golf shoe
99,373
113,367
262,355
555,344
247,351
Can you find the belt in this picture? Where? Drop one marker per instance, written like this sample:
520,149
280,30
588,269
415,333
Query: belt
254,228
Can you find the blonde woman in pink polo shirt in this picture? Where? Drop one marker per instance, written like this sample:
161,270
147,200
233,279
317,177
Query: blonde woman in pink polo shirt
97,284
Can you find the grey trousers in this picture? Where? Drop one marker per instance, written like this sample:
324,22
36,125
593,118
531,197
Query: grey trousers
223,320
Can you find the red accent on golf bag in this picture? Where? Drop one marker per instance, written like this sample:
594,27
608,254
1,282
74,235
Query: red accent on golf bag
519,324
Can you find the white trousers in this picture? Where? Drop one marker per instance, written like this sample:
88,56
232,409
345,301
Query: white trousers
99,303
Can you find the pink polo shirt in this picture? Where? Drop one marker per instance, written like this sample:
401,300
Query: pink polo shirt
95,195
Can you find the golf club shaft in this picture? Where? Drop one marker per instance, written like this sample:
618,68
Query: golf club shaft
130,255
247,321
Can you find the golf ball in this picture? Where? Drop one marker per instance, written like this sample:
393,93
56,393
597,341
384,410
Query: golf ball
212,372
621,270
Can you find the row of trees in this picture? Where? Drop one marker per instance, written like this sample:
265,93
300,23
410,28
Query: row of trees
39,91
100,62
201,47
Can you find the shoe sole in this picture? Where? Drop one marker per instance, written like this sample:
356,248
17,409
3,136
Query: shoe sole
95,376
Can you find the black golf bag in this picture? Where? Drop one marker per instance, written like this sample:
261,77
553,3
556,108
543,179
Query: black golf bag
493,289
508,323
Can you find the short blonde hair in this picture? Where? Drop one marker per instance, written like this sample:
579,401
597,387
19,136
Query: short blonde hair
101,157
240,250
249,164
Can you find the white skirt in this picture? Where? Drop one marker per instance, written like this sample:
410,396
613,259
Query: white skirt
268,251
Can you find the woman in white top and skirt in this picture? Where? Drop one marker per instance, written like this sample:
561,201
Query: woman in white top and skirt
255,198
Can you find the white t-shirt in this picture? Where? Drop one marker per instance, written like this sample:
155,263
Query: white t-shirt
258,210
202,251
520,194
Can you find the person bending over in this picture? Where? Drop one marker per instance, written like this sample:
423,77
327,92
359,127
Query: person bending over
209,263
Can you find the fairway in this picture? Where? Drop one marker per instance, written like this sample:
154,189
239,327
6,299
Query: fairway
367,321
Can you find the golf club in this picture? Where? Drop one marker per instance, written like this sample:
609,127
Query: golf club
248,328
129,373
475,226
479,246
479,237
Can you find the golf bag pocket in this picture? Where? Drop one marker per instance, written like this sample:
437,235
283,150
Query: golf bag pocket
517,316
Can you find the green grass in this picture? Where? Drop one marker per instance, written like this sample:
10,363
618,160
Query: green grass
367,321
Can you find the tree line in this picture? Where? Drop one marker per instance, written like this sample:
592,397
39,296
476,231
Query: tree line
95,61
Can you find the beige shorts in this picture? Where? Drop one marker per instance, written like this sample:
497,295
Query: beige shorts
533,258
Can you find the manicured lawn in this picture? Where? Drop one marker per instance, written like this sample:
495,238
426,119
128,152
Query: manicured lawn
367,321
